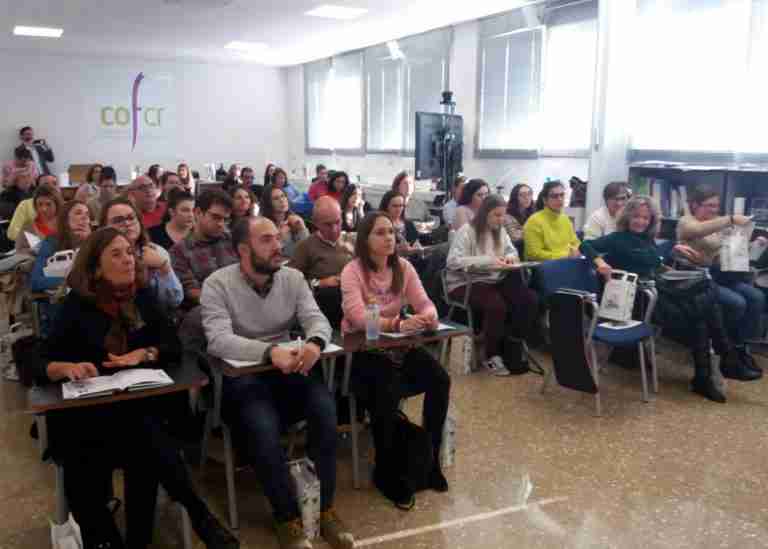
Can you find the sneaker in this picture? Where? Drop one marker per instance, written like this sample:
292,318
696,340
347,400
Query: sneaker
334,531
495,365
290,535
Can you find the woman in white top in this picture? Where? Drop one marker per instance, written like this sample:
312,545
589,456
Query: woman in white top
475,191
602,222
497,288
449,208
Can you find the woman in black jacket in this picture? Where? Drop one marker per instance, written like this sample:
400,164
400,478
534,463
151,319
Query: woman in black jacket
110,321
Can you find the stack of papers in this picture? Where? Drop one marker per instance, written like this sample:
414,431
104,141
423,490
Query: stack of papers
395,335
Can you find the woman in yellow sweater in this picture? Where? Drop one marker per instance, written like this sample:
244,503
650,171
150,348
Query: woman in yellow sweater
548,234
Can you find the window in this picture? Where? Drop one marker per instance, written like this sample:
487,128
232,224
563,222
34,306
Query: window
402,77
333,90
536,80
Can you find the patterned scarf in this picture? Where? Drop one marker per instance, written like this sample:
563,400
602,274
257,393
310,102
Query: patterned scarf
118,303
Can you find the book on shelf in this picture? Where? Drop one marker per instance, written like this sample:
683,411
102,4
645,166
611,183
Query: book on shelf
124,380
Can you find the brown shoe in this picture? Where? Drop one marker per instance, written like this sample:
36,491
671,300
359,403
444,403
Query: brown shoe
290,535
334,531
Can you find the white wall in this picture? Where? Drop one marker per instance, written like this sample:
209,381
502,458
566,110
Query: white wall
463,82
226,113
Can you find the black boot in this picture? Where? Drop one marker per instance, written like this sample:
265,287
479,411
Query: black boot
702,380
437,481
746,358
734,368
213,534
392,486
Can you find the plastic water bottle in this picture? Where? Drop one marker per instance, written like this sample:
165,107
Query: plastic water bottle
372,321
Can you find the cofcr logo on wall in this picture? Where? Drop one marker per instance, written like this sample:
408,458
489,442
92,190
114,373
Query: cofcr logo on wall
137,108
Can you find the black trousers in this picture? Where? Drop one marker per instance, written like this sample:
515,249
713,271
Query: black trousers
329,301
380,383
93,442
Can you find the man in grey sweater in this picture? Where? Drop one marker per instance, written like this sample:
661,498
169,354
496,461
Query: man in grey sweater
247,308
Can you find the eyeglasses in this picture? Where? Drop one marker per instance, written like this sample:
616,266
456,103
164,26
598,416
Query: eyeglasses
620,198
129,219
556,196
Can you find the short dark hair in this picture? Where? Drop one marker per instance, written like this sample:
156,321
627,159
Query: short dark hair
46,191
241,232
42,175
25,128
211,197
22,153
166,175
471,187
319,167
702,193
177,196
544,194
108,172
613,189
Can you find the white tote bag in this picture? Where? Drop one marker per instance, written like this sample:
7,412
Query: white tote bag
734,249
619,297
66,535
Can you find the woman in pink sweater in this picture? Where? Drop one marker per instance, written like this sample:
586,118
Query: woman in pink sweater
381,379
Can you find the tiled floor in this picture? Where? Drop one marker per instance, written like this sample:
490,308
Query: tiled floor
531,471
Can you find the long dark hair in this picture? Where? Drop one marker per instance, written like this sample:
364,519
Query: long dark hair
89,175
472,186
513,207
233,191
480,221
399,179
363,252
544,194
143,239
332,179
267,177
387,198
274,176
267,209
64,237
349,190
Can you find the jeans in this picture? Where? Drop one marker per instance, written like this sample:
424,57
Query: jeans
259,407
381,384
743,306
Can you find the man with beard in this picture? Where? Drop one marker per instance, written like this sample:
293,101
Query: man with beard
246,309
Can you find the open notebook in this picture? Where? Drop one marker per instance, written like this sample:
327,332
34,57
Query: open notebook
124,380
329,348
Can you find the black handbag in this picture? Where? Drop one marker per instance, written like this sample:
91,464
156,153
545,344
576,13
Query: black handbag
26,353
413,458
514,358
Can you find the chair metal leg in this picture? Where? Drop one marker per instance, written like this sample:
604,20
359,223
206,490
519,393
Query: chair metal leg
186,528
643,373
654,368
598,405
445,353
62,507
229,462
353,433
206,439
595,368
548,375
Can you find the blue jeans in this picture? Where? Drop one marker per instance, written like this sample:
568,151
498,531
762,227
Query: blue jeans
743,306
259,407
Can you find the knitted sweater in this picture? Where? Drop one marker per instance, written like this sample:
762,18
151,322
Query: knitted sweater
548,235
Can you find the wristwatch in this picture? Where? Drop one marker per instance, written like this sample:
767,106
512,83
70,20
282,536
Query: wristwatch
151,354
317,341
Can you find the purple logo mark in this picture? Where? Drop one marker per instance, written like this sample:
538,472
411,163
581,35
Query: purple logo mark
135,107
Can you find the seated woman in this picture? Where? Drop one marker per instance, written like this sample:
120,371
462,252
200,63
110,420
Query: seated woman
121,214
406,234
280,181
742,303
276,206
89,189
449,208
22,163
18,190
415,208
110,321
47,202
73,226
382,379
603,220
472,196
335,186
548,234
244,203
483,243
353,208
179,222
187,180
632,248
519,209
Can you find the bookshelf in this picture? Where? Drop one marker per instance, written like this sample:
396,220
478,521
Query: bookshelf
671,184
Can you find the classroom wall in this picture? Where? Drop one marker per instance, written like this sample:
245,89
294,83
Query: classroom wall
223,113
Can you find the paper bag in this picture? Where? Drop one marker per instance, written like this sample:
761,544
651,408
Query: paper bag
67,535
307,487
619,297
448,447
734,249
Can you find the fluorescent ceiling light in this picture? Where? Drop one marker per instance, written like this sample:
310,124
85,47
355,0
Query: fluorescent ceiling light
41,32
247,47
337,12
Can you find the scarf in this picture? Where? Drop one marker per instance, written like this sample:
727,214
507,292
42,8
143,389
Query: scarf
118,304
44,229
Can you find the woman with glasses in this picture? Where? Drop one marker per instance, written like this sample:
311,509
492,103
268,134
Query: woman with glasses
519,209
406,234
276,207
475,191
121,214
548,234
742,303
603,220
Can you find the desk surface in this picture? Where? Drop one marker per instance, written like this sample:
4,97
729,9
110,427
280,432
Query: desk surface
48,397
235,371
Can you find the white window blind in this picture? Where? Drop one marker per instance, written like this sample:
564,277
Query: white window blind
334,103
404,76
536,79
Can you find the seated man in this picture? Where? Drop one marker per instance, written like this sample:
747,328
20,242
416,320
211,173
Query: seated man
25,211
246,309
207,248
322,256
145,193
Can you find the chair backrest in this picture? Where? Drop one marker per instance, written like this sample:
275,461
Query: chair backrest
569,273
